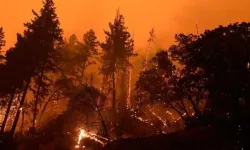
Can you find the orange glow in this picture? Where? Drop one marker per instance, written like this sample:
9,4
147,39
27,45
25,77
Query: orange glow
167,17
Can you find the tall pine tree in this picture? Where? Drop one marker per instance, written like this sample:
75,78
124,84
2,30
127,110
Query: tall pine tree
2,43
117,49
43,39
18,70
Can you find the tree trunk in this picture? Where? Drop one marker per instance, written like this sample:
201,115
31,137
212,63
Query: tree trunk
104,125
181,115
114,93
122,90
13,128
195,104
22,122
47,102
7,111
196,110
36,100
182,106
101,117
35,105
83,72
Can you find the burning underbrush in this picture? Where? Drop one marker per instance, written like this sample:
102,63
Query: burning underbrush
73,130
88,123
129,123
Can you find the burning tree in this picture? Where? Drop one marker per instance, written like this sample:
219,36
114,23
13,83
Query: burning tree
35,53
117,50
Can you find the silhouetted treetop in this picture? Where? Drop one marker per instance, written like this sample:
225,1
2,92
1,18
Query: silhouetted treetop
2,41
77,56
90,42
118,47
221,58
153,84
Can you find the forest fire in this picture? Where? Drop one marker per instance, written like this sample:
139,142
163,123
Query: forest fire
101,92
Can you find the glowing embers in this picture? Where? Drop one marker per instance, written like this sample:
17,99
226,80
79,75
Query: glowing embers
158,117
84,134
129,89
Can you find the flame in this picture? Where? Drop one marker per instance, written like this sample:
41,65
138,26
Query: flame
102,140
84,134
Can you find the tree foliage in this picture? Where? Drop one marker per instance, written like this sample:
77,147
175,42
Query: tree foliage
36,53
85,99
77,56
2,42
220,58
118,47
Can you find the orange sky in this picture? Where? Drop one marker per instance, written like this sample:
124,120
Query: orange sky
166,16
